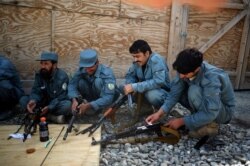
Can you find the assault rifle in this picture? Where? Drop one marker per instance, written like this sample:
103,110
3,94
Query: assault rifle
31,123
71,122
111,110
164,134
23,123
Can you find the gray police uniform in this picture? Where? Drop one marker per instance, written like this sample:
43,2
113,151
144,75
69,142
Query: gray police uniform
99,89
50,92
10,85
153,81
210,96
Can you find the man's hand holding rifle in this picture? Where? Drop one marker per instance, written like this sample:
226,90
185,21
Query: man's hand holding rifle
75,110
109,113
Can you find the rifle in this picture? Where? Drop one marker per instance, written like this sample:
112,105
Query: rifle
71,122
31,123
91,129
23,122
164,134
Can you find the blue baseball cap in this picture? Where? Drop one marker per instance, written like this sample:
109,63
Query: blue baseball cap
48,56
88,58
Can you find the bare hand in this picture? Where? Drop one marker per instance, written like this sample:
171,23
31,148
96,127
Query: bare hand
175,123
154,117
128,89
83,107
31,106
74,105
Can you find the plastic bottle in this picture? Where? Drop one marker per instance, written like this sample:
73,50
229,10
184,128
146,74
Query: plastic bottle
44,130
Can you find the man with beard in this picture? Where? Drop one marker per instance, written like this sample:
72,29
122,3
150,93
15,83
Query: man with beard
147,75
94,82
49,91
204,89
10,87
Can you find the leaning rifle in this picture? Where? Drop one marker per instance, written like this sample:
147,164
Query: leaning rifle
111,110
71,122
164,134
23,123
31,124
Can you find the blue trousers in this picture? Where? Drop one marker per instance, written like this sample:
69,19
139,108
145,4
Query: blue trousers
193,100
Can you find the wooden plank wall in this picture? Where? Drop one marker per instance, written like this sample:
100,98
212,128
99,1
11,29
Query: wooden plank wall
110,26
30,26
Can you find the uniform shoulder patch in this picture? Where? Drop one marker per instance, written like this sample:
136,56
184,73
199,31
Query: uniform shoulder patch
111,86
64,86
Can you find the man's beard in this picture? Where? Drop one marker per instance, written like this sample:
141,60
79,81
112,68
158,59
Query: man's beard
46,74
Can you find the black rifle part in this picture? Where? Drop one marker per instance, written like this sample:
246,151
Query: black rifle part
23,123
31,123
201,142
91,129
71,122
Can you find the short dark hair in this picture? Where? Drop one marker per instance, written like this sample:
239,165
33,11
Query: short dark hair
188,60
140,46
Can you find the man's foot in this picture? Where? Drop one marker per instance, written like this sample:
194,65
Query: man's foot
59,119
210,129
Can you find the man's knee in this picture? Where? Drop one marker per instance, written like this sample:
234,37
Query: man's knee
24,101
155,97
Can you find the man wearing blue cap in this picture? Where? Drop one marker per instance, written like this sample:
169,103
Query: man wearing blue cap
49,91
10,87
94,82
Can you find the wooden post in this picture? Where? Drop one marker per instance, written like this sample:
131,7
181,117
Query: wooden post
244,53
177,32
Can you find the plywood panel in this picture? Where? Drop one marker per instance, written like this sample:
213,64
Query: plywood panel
24,33
202,26
225,52
110,36
76,150
105,7
131,10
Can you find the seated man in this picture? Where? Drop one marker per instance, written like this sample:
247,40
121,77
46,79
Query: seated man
10,87
49,91
94,82
148,74
204,89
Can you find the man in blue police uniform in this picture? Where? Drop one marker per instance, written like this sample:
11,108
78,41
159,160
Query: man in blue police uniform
10,87
49,91
208,92
94,82
148,74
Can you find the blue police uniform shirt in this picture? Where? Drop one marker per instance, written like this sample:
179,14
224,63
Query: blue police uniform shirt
103,74
155,75
216,90
55,88
9,77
